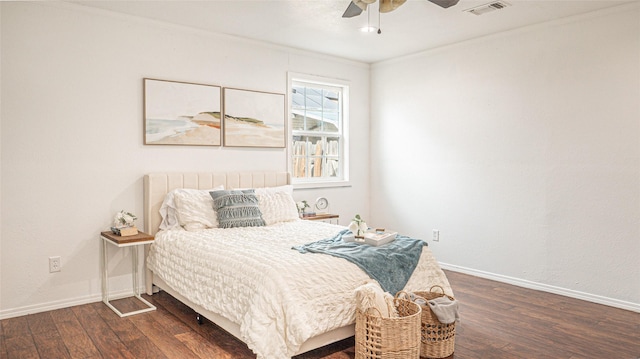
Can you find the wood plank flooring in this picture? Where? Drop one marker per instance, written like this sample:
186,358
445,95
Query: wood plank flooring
497,321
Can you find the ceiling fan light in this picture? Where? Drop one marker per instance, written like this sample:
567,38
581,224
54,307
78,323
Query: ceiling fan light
368,29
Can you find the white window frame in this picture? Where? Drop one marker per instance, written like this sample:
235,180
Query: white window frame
318,182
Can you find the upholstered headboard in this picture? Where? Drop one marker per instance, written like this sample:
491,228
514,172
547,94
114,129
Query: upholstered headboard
157,185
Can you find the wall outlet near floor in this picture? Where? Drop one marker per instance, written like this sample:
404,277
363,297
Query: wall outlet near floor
436,235
54,264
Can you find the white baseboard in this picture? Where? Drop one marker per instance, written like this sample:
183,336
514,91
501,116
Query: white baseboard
59,304
634,307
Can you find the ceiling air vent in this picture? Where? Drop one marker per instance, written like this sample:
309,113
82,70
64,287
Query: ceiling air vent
492,6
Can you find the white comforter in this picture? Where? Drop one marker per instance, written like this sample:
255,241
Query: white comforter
278,296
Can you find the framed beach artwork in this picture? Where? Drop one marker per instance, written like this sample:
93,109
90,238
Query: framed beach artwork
181,113
254,119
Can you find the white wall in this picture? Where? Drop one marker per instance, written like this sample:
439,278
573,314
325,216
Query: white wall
72,135
522,148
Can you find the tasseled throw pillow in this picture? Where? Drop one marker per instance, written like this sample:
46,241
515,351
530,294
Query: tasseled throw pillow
237,208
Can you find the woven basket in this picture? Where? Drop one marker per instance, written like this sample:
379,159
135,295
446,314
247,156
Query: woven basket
437,339
389,338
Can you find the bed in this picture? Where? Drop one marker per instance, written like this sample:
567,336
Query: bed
248,280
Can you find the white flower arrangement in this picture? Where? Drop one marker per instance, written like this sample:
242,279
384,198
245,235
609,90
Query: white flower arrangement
124,219
358,226
302,206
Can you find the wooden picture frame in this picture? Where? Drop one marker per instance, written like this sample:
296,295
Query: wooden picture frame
181,113
254,118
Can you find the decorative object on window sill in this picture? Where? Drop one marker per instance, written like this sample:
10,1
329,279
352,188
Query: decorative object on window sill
124,224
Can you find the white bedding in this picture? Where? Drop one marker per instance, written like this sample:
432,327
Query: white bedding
278,296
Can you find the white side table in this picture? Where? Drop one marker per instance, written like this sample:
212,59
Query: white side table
133,242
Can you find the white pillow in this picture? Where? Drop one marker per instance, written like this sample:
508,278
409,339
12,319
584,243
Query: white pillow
168,213
277,204
189,208
286,189
261,190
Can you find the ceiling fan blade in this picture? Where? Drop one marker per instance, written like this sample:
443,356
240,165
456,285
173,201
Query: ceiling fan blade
352,10
444,3
390,5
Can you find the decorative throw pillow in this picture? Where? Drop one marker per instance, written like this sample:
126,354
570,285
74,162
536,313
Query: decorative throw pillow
169,208
237,208
194,209
277,204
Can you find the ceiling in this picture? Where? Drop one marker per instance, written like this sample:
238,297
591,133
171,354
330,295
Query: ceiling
317,25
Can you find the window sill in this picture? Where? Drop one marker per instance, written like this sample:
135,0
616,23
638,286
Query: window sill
328,184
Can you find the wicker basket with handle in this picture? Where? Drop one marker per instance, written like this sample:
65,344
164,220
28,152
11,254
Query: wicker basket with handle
438,339
378,337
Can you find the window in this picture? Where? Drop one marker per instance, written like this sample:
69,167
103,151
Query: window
318,136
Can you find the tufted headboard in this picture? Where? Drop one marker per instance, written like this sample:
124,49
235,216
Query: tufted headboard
157,185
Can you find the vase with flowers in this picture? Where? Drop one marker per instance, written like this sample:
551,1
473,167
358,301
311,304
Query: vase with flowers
302,207
358,226
124,224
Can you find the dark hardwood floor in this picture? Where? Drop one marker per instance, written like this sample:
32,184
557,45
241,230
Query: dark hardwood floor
497,321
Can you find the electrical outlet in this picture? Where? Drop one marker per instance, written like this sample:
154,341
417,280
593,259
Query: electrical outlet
54,264
436,235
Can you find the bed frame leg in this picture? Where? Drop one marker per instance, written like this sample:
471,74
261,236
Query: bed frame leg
199,318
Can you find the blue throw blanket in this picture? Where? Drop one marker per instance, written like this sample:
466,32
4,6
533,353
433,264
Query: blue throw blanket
390,264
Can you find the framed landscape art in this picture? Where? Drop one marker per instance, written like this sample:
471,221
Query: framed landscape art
181,113
254,119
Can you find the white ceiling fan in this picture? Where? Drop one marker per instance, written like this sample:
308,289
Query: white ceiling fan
356,7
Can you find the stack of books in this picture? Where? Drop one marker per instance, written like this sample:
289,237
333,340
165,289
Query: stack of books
373,237
124,231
